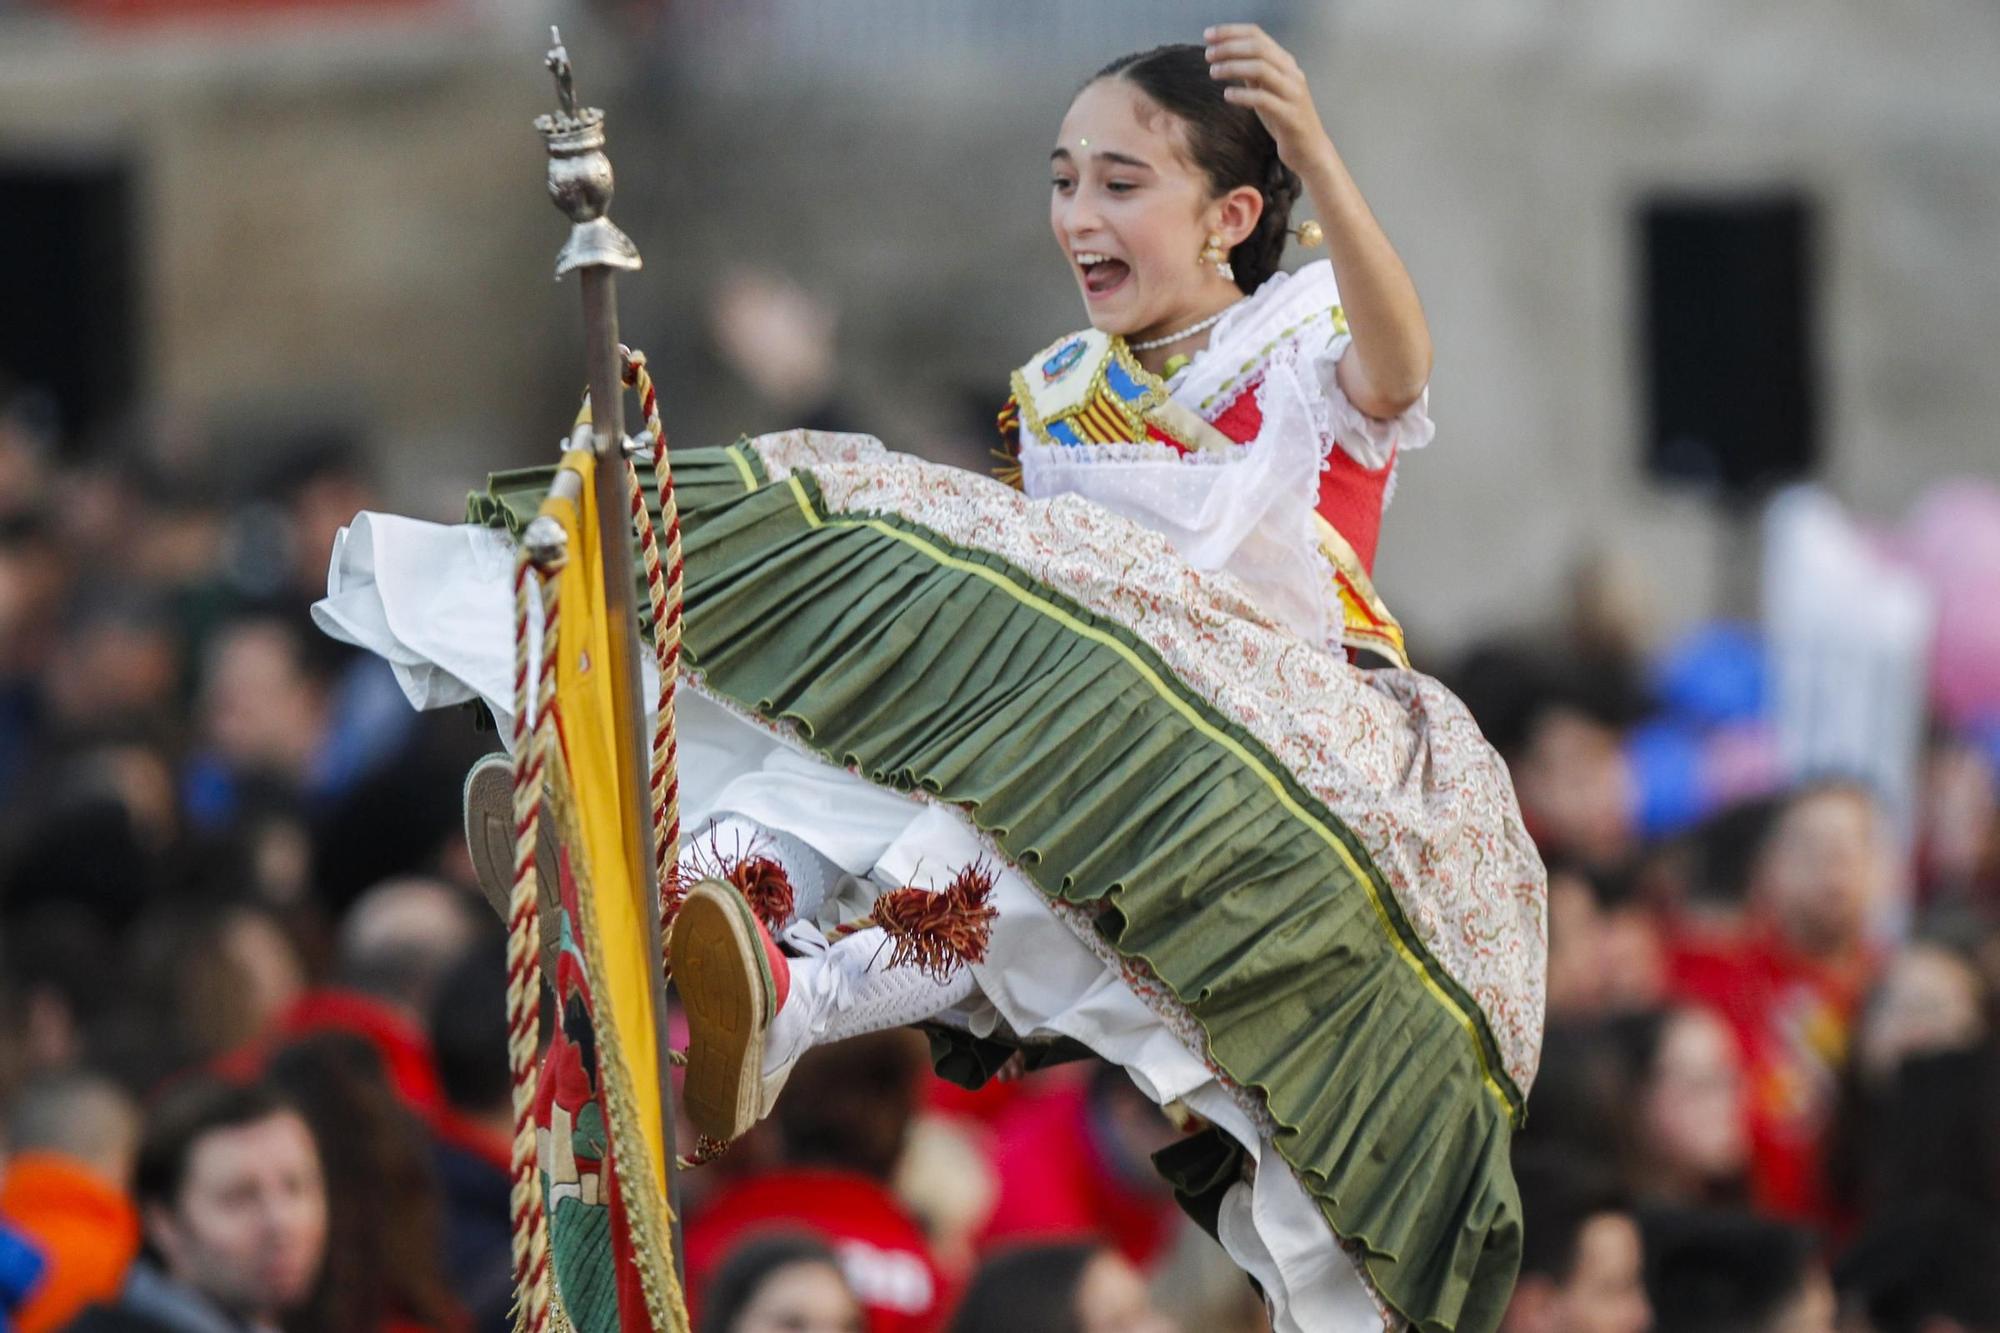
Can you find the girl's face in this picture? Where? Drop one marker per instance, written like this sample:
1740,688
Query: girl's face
808,1297
1131,213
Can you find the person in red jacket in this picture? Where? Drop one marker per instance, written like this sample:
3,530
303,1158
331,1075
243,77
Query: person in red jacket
841,1126
1792,981
1075,1162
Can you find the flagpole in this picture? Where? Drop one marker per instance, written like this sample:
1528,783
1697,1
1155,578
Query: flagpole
580,183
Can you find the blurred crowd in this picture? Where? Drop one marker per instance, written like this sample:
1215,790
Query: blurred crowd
252,1056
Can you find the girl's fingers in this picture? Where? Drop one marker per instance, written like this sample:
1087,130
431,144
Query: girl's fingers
1256,69
1247,35
1251,71
1235,48
1257,99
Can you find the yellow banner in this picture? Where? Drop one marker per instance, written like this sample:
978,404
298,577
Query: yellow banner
610,920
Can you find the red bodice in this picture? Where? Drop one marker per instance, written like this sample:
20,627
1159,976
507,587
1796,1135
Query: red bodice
1351,497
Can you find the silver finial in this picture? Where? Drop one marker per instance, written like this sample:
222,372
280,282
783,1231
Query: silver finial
580,174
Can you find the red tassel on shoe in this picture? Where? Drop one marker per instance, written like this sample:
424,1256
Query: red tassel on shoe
760,879
940,932
765,886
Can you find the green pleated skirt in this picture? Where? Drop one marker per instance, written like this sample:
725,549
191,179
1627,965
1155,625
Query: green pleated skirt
1322,868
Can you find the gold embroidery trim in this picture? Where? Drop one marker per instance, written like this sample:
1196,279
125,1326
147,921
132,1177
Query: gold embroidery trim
1156,406
1365,619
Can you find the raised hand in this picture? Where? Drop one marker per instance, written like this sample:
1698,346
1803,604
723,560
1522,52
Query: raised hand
1264,76
1389,362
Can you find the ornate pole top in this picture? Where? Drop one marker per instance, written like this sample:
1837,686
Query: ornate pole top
580,178
558,62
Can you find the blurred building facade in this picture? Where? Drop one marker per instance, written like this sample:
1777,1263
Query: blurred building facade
339,211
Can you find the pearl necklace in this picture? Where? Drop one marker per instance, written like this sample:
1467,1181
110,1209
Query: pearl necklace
1185,333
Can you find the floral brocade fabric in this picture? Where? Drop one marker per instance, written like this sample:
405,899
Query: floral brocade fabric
1391,753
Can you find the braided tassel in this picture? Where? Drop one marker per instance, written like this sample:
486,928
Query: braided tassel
524,969
665,579
760,879
663,725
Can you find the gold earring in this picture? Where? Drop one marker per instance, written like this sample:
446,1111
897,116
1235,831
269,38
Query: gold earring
1213,253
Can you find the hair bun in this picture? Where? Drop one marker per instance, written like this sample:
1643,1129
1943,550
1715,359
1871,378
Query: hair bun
1256,259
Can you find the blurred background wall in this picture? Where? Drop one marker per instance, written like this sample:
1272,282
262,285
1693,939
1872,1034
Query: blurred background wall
334,213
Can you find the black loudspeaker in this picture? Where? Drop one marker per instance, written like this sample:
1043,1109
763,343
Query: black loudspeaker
68,288
1731,364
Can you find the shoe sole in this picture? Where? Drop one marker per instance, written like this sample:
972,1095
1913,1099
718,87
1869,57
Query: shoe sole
489,838
489,828
726,989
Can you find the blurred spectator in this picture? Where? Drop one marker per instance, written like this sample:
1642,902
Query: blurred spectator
472,1139
320,479
1792,984
73,1138
1930,1000
780,339
384,1254
230,1189
33,583
1958,825
401,938
264,714
26,428
118,659
1575,790
948,1180
1931,1269
1204,1288
1733,1273
1058,1289
1607,951
1635,948
217,977
57,998
1578,978
1582,1267
780,1284
1076,1162
842,1123
1686,1130
1919,1111
1919,1121
79,849
1557,730
393,950
1581,1107
1714,904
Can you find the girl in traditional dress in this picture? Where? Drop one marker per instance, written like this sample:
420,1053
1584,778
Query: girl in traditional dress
1113,721
1255,420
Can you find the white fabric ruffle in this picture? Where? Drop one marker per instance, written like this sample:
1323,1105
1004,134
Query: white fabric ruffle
1291,312
1250,517
1249,511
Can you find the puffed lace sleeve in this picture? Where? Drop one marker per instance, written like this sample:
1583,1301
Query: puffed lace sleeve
1370,441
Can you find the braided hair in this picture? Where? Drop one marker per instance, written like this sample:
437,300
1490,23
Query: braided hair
1226,141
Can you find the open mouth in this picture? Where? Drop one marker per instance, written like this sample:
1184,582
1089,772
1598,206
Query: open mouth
1102,275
